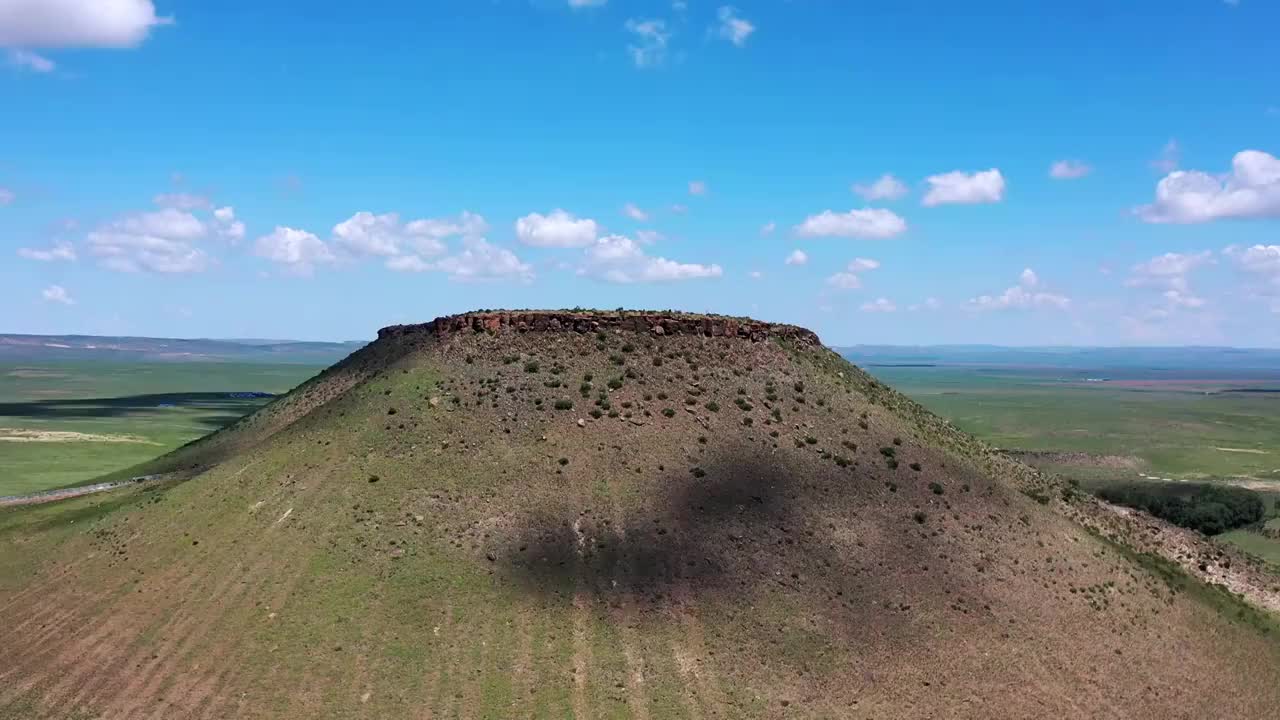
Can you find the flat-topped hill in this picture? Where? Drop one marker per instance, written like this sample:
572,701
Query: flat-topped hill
597,515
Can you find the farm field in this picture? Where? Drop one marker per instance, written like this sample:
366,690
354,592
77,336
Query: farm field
68,423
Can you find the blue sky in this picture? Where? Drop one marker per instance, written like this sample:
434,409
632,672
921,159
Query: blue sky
883,172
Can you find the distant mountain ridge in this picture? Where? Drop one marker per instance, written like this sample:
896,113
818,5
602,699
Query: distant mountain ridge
48,348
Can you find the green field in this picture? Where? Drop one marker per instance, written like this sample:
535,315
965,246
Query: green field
1208,425
116,415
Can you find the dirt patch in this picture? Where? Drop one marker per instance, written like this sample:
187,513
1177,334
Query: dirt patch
1079,459
23,435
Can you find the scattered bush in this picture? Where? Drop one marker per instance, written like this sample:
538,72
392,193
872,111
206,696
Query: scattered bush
919,516
615,383
698,472
531,366
888,451
915,466
596,413
564,461
935,488
564,404
713,406
811,440
669,412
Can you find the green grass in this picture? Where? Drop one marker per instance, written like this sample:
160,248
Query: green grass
162,404
1174,432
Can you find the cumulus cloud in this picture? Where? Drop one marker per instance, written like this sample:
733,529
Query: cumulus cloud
1250,190
768,228
556,229
77,23
365,234
298,250
650,46
478,261
1259,259
797,257
61,250
697,187
871,223
1168,271
27,60
885,187
849,279
619,259
162,241
734,28
181,201
648,237
226,225
879,305
635,213
961,188
57,294
1069,170
1028,293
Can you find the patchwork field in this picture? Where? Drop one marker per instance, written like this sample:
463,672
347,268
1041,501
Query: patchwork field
69,423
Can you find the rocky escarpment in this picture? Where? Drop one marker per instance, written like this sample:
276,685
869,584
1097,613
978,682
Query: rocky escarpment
655,323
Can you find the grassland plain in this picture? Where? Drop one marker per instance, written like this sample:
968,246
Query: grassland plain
67,423
490,517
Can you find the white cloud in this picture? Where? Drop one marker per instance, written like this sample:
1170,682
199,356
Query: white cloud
226,225
1168,271
181,201
734,28
1250,190
930,303
478,261
797,257
849,279
586,3
7,196
556,229
879,305
1069,170
648,237
28,60
960,188
697,187
77,23
57,294
873,223
679,209
768,228
1261,259
1178,298
635,213
885,187
755,275
844,281
161,241
1026,294
61,250
366,234
618,259
1169,157
298,250
650,48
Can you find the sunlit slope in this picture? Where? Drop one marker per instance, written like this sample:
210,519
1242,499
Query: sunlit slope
751,527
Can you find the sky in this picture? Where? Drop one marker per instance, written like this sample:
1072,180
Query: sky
881,171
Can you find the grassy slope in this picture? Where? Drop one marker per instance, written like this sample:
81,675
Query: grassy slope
120,399
343,561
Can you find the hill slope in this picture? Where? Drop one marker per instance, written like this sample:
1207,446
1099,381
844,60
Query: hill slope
600,515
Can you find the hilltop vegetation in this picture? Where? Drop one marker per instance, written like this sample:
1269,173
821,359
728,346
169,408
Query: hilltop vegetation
602,515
